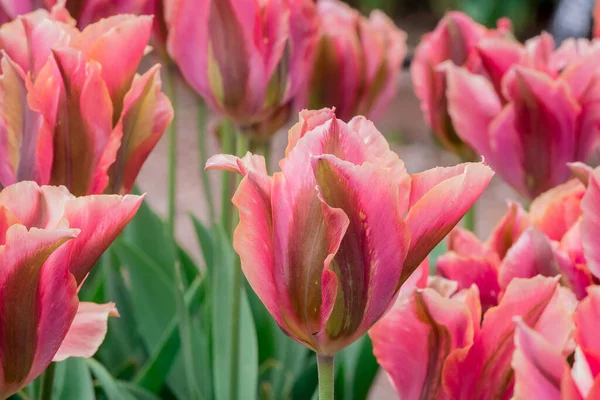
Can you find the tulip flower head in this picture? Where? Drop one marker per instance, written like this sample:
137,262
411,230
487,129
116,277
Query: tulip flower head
437,346
327,242
247,59
533,112
73,110
546,241
357,63
49,241
454,40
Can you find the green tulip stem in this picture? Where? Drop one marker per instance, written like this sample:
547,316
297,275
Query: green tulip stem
227,147
469,218
170,88
241,149
47,382
203,153
325,365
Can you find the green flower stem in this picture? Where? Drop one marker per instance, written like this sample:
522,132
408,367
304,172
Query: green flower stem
227,147
203,153
241,149
325,365
469,219
170,88
47,382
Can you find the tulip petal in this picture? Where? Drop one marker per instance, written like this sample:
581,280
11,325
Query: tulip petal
87,331
415,338
508,229
101,218
435,214
308,120
590,223
38,304
538,367
529,256
374,246
497,56
465,243
586,319
147,112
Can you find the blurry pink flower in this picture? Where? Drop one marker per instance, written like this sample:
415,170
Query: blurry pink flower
544,241
247,59
371,224
84,11
357,63
543,372
49,241
436,347
73,110
535,110
454,40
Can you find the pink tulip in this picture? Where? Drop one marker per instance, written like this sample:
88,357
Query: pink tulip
436,347
49,242
454,40
371,224
358,61
535,110
247,59
73,110
544,241
85,11
543,372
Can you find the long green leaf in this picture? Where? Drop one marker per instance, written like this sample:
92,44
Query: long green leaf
73,380
108,384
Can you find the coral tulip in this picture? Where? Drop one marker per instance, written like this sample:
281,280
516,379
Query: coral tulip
358,61
543,372
436,347
73,110
544,241
247,59
327,242
453,40
49,241
536,110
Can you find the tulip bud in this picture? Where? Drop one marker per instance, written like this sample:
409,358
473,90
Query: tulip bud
371,224
358,61
246,59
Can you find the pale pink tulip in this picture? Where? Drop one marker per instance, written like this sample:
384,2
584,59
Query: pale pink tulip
358,61
535,110
454,40
247,59
371,224
435,346
73,110
49,241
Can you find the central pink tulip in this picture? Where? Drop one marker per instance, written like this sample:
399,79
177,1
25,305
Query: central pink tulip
357,63
73,111
49,241
440,346
535,110
327,242
247,59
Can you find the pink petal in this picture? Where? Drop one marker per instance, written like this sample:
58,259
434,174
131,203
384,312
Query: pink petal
473,104
117,44
529,256
87,331
147,112
581,171
308,120
435,214
497,56
414,339
38,304
101,218
465,242
508,229
586,320
538,366
590,223
370,257
557,210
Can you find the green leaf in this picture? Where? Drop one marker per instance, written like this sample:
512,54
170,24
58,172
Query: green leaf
360,368
221,278
137,392
205,240
72,380
108,384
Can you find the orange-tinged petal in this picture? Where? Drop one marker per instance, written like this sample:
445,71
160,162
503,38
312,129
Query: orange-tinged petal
590,223
87,331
